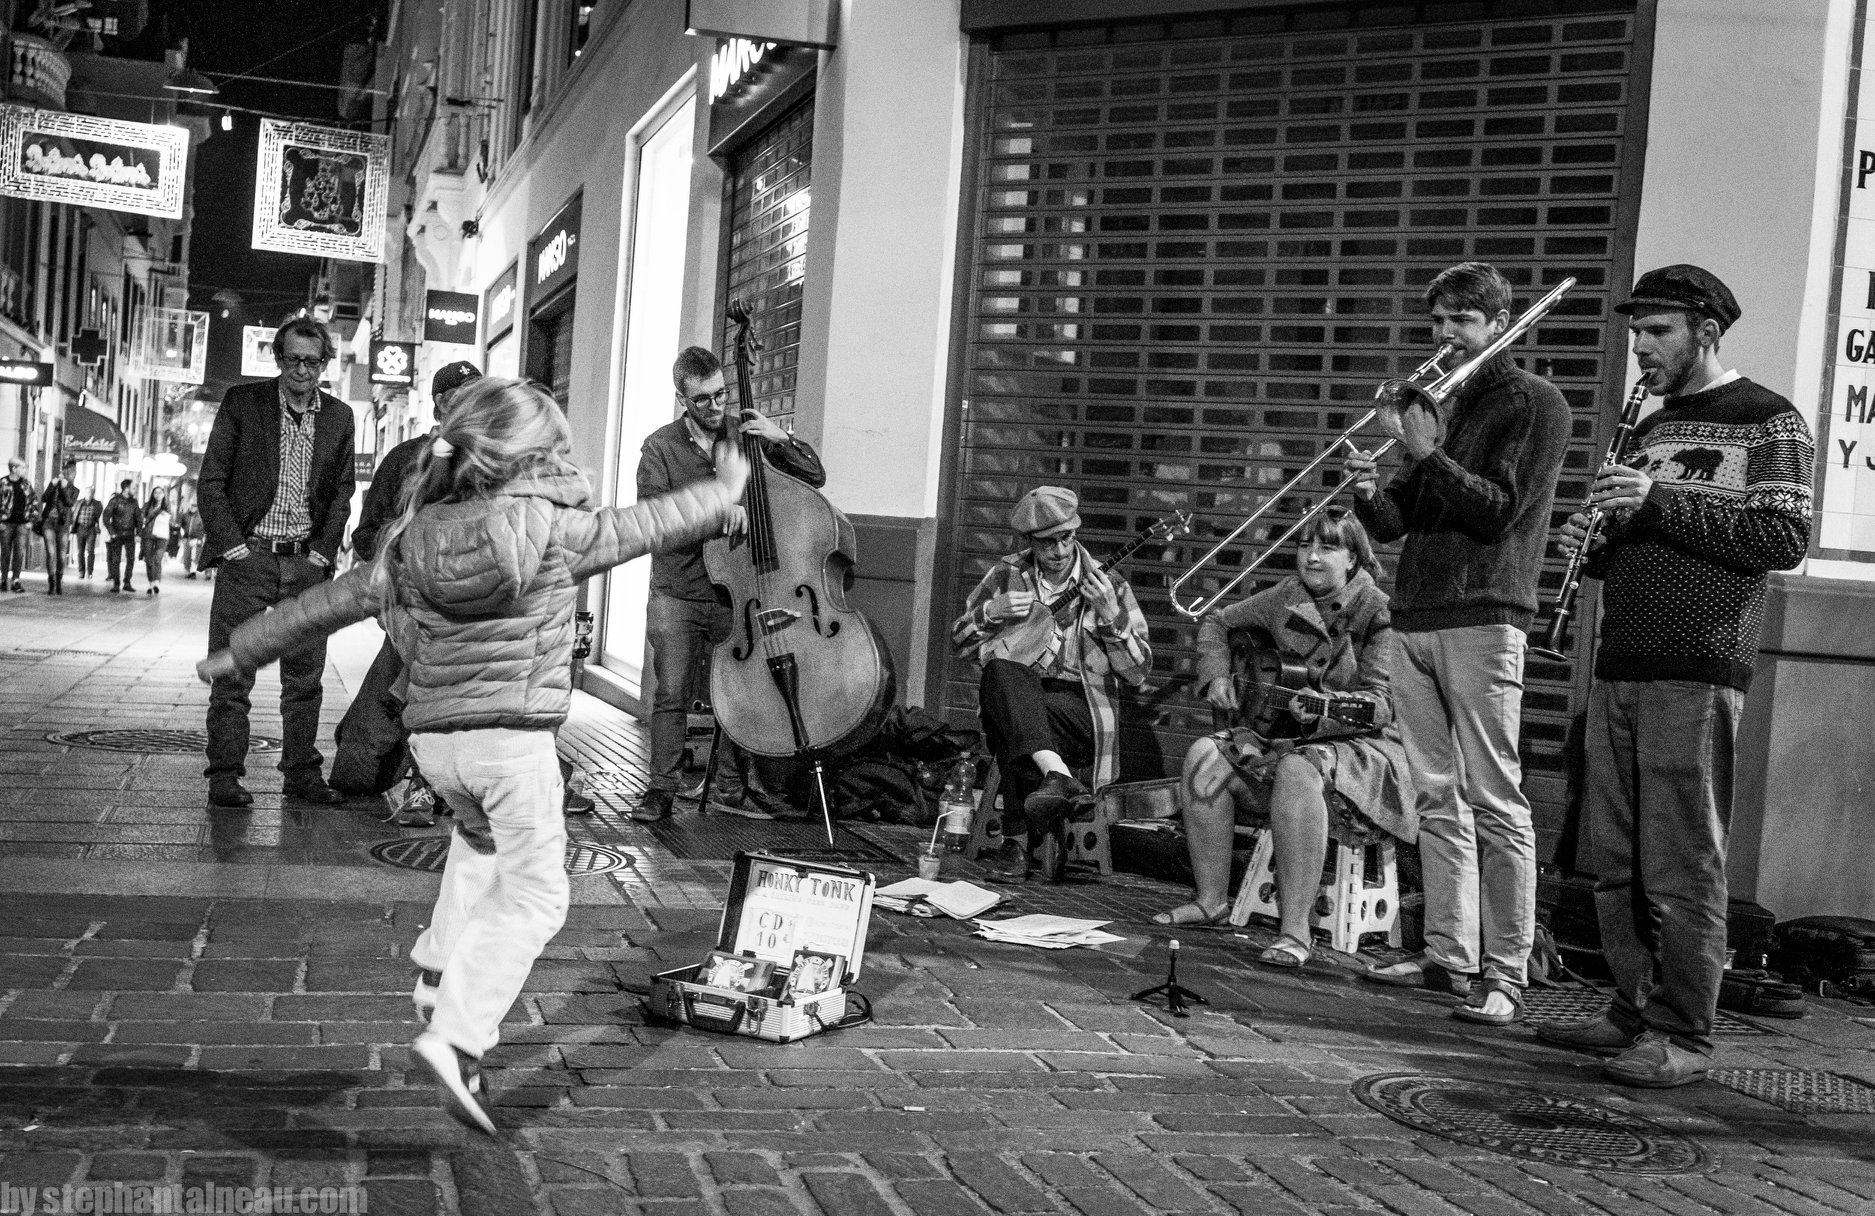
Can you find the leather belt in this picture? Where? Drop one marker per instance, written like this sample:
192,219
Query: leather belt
293,548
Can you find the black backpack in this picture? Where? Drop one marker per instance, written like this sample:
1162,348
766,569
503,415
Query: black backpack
1838,950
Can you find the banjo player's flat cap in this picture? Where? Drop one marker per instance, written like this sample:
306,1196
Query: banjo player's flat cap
1046,510
1683,286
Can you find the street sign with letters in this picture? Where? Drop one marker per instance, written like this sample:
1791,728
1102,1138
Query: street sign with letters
450,316
25,371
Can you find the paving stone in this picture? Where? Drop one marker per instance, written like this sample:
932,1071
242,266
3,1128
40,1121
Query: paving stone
999,1185
662,1175
401,1197
756,1202
936,1197
249,975
32,1030
741,1169
187,1006
125,975
128,1167
205,1033
847,1194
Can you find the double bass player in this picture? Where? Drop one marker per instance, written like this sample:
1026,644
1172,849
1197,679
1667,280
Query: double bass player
687,614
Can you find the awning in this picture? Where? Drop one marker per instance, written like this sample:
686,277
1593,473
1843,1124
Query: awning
89,435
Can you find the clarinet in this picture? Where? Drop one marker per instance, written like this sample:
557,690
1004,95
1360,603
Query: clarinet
1557,636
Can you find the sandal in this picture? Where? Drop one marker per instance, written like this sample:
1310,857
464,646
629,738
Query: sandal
1473,1011
1191,916
1286,952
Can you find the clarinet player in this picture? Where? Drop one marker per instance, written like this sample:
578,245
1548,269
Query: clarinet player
1713,495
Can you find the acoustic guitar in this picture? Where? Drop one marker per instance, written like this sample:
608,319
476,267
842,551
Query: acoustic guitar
1029,639
1270,686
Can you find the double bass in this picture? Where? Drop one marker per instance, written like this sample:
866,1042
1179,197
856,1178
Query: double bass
802,673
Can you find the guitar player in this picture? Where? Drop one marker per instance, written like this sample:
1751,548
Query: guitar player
1313,735
1047,690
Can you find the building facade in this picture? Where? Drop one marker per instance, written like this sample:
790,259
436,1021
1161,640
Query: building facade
1160,252
76,280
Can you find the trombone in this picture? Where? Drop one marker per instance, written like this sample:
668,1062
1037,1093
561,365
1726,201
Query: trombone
1395,395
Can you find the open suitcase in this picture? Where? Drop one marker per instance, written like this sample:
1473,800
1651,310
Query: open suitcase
791,941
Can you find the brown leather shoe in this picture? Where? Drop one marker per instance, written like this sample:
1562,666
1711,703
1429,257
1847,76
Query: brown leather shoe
312,789
227,791
655,805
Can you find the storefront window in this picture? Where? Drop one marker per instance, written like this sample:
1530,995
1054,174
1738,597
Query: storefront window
659,250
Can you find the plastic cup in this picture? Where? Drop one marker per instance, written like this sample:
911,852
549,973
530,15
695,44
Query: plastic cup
930,861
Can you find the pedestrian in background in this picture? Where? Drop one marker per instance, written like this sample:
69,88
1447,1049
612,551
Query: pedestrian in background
192,541
17,509
56,508
475,583
156,525
85,520
122,519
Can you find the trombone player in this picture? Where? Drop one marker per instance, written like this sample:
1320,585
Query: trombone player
1472,499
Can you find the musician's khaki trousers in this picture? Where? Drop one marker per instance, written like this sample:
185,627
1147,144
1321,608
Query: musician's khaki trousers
1459,697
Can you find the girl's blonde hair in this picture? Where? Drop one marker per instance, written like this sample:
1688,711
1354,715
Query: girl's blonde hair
495,431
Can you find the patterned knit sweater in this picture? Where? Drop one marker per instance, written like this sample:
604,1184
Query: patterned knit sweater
1684,576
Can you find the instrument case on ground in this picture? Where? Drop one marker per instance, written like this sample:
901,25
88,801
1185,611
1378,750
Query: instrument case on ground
777,906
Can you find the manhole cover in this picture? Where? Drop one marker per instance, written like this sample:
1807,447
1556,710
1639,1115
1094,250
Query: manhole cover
1566,1004
428,853
151,741
1801,1091
1530,1124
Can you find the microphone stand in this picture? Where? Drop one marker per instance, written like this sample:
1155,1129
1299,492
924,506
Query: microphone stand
1176,994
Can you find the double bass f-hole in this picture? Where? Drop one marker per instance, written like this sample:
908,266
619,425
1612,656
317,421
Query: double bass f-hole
813,611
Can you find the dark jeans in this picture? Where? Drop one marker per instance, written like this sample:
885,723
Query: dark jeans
1024,714
244,589
55,556
86,543
15,539
682,634
1657,802
155,548
121,550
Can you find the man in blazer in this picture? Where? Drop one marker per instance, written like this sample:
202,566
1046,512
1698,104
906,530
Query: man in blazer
275,491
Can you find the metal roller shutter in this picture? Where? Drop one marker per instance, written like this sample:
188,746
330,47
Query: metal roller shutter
766,197
1199,247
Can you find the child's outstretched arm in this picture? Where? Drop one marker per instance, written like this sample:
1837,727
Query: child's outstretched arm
614,535
314,613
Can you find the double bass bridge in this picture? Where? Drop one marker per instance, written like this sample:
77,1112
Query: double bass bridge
773,620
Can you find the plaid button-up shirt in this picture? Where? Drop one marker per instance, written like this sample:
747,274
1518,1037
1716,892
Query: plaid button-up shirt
290,516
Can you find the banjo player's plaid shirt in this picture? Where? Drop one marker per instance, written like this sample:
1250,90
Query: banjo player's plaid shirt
290,516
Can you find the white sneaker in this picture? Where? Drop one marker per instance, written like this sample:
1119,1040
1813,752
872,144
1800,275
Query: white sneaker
459,1076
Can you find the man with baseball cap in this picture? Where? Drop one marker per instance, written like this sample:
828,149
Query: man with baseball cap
374,716
1712,494
1048,687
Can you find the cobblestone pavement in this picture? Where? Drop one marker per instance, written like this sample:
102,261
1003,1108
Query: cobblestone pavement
191,997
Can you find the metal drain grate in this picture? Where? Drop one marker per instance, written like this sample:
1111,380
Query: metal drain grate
721,837
613,780
151,742
429,853
42,652
1531,1125
1560,1004
1801,1091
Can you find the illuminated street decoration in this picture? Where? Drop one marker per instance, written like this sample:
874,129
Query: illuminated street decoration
170,344
92,162
320,191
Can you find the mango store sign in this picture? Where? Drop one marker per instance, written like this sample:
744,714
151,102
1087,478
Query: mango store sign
553,254
1845,451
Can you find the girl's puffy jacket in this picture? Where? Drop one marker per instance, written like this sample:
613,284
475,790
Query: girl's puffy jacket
484,618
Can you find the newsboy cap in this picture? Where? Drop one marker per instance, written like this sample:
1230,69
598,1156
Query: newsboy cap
1046,509
1687,287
